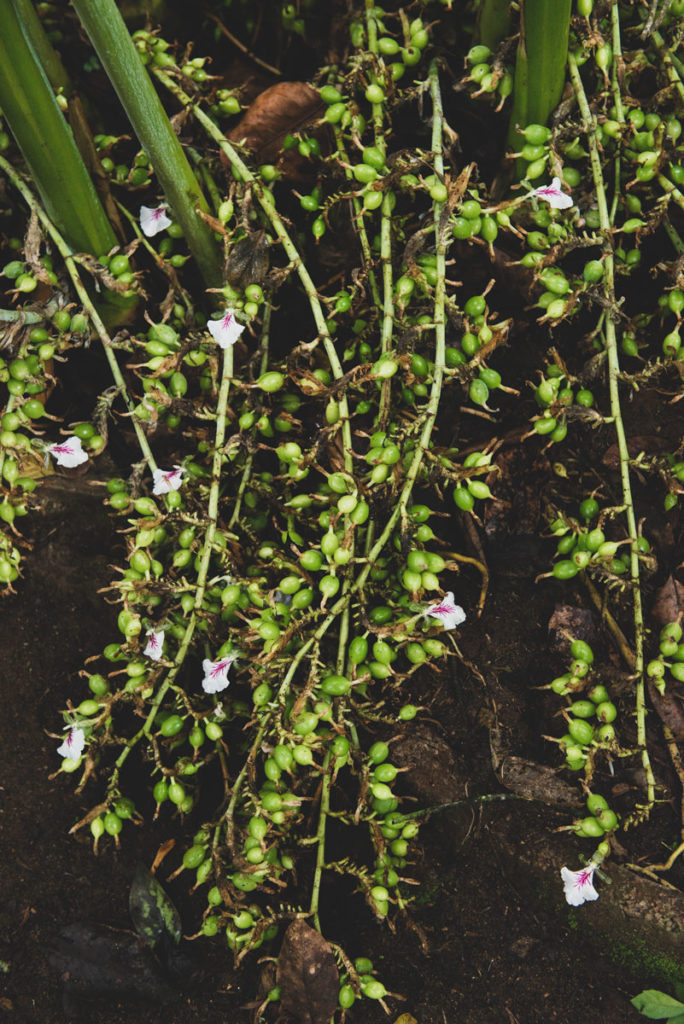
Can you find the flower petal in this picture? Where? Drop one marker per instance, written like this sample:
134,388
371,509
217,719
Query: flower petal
225,331
153,220
579,885
166,480
216,675
553,195
155,644
73,744
68,453
450,613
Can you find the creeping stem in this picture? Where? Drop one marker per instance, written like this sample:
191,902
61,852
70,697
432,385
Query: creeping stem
616,412
204,559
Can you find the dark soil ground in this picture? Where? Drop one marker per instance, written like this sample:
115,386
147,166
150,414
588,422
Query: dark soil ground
478,946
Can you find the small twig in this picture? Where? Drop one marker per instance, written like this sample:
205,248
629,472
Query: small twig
241,46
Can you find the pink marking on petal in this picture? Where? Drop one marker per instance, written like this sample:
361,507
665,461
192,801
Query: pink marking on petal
220,667
442,609
227,320
63,449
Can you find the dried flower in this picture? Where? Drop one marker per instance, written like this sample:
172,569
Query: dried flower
155,644
225,331
166,480
553,195
216,674
73,744
450,614
153,220
579,885
68,453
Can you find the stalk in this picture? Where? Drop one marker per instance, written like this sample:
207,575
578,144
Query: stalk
115,48
266,201
616,413
46,142
202,573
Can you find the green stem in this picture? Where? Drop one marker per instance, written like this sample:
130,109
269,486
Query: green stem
674,236
665,54
202,572
617,100
324,810
115,48
671,190
616,413
243,172
360,225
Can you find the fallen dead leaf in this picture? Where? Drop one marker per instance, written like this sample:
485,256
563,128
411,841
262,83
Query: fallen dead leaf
307,975
285,107
668,603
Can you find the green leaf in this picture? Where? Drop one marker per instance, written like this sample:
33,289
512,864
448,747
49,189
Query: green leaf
120,59
153,914
46,141
540,63
493,22
657,1005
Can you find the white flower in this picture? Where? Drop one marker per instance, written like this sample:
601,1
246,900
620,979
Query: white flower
68,453
451,614
553,195
155,644
153,220
225,331
579,885
73,744
216,674
166,480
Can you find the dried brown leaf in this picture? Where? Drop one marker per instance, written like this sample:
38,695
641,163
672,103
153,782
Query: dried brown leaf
307,975
668,603
285,107
536,782
635,445
670,709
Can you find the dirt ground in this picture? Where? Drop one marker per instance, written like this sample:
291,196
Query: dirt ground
477,946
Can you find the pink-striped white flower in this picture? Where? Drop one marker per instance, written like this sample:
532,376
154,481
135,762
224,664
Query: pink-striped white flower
68,453
73,744
166,480
216,674
155,644
553,195
450,614
579,885
225,331
153,220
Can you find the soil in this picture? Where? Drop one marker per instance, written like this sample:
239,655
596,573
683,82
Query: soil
478,945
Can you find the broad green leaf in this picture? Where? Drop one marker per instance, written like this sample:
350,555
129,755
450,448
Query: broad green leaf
120,59
540,63
657,1005
46,141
